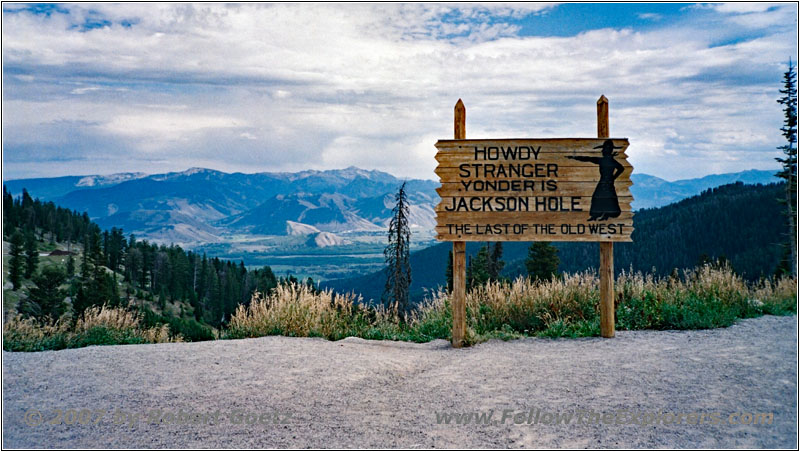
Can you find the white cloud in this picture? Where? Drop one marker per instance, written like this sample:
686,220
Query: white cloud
85,90
745,7
290,86
166,125
650,16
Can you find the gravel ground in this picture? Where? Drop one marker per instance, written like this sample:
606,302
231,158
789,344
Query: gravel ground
279,392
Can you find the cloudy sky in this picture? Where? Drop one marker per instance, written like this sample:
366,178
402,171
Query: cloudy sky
104,88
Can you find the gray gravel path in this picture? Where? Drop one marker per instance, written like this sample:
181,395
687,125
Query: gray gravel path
302,392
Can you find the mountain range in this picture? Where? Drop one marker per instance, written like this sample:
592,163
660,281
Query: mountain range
205,206
202,205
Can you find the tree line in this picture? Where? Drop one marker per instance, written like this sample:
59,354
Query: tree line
541,263
112,269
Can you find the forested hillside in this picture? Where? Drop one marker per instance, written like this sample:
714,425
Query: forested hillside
105,267
742,223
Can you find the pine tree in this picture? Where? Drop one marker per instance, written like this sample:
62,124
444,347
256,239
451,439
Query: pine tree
448,273
31,254
81,301
9,213
496,263
469,273
704,260
70,266
398,265
162,300
46,299
85,260
479,269
17,262
789,162
542,261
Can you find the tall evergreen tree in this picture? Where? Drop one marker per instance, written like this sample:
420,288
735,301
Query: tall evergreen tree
46,299
468,275
85,259
70,266
448,273
31,254
479,272
17,262
789,161
81,301
398,265
162,299
9,213
542,261
496,263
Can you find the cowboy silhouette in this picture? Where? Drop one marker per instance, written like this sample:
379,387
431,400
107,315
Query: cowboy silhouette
604,200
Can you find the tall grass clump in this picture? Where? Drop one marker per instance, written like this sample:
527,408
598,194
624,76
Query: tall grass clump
705,297
100,325
557,307
568,306
298,310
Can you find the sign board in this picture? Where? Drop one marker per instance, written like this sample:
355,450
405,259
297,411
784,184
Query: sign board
560,189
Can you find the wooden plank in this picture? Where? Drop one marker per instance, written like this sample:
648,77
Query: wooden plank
485,231
547,144
602,118
535,238
526,217
606,249
524,171
468,204
607,289
518,188
459,121
450,190
459,296
454,159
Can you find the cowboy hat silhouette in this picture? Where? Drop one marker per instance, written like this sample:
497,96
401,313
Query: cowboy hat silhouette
608,147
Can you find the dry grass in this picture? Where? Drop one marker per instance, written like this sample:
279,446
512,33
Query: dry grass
706,297
297,310
97,326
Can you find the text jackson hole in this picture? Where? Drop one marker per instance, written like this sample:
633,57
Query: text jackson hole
533,177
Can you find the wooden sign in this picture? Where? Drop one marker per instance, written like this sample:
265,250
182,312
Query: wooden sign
568,189
562,189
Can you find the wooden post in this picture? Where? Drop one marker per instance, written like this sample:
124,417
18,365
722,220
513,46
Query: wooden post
459,297
606,248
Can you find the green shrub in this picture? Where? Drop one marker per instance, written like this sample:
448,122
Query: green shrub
188,329
97,326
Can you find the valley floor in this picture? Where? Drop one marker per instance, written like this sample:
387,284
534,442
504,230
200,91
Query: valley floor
357,393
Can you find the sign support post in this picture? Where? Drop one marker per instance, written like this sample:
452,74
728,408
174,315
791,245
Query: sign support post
459,298
606,248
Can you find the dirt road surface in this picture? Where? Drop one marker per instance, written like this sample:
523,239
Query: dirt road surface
303,392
